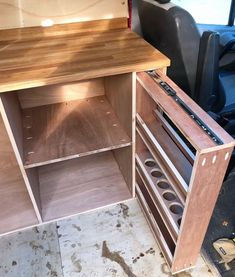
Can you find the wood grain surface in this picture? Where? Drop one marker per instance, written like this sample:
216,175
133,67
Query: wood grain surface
16,208
192,132
70,129
32,57
80,185
145,108
206,182
41,96
11,115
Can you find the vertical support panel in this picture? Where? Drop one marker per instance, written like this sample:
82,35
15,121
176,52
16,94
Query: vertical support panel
207,178
121,93
11,114
16,209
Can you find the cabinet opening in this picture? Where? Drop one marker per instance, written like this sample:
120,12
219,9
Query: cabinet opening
79,185
62,122
75,142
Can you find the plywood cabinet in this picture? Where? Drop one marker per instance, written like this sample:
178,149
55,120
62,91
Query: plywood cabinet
85,131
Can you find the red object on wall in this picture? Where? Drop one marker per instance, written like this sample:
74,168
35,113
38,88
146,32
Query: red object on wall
130,13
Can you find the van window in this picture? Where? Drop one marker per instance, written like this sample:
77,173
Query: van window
207,12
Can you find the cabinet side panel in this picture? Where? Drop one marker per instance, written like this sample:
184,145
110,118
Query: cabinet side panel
16,209
121,93
123,157
12,118
118,90
207,177
13,112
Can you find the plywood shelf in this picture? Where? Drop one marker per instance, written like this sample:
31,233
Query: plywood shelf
62,131
81,184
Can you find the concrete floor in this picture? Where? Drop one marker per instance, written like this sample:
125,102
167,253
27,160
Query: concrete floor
111,242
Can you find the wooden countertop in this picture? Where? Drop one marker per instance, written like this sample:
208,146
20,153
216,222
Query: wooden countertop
37,56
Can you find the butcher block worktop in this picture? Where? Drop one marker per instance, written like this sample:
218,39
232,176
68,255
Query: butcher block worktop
37,56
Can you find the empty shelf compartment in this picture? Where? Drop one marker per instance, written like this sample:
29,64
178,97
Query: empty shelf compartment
71,129
79,185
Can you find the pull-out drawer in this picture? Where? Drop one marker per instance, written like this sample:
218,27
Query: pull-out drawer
181,159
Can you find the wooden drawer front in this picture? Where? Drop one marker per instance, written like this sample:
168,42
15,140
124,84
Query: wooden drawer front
179,169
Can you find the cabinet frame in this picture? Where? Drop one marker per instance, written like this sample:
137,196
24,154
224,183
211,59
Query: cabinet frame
191,196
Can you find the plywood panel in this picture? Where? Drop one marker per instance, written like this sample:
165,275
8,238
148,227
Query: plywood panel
208,175
16,209
190,129
126,164
11,114
60,93
72,129
26,13
81,184
120,91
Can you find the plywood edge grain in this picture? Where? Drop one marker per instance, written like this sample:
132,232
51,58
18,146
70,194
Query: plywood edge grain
222,134
194,134
202,195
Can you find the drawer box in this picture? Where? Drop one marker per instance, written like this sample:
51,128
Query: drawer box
179,167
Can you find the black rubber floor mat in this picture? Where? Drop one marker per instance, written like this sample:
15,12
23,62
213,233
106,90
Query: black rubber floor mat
222,225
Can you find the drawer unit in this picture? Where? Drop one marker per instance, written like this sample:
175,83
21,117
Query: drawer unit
181,160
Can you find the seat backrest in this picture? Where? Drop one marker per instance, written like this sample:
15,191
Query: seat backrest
173,31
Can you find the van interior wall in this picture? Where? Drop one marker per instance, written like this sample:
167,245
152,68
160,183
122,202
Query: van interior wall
27,13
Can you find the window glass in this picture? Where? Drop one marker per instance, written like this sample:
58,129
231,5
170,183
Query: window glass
207,11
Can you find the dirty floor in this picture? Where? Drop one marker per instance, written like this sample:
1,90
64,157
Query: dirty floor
111,242
222,225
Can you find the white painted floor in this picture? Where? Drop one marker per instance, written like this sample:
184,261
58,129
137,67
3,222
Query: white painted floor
111,242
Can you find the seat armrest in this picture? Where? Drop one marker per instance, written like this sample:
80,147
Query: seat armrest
207,70
228,112
227,43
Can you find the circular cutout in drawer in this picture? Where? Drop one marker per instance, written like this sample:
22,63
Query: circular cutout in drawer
150,163
157,173
163,184
176,208
169,195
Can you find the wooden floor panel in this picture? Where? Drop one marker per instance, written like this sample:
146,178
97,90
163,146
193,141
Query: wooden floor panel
81,184
71,129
